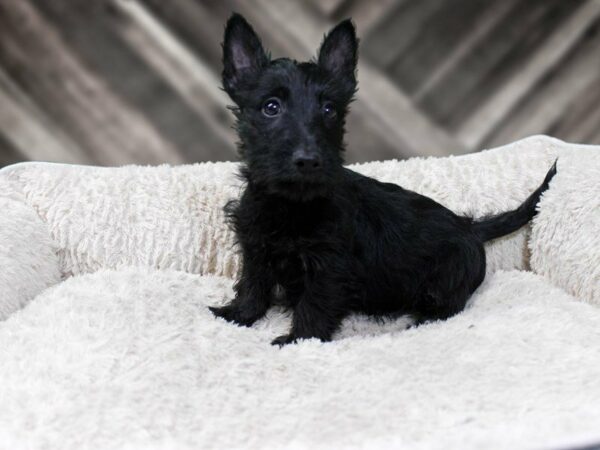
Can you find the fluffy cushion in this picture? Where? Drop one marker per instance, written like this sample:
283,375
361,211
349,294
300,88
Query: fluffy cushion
28,261
138,360
565,242
133,358
160,217
171,217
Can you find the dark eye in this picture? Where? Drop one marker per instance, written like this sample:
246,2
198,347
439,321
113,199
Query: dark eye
271,107
329,110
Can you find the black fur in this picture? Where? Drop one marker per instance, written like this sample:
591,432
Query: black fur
319,237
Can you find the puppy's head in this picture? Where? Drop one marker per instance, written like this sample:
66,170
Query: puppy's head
290,115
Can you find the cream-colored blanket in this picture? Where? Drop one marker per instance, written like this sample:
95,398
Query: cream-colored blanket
107,343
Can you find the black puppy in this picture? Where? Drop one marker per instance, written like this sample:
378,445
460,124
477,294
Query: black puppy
321,238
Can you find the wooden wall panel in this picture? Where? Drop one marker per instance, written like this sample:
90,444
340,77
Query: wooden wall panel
138,81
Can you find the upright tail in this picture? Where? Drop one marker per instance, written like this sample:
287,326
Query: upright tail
505,223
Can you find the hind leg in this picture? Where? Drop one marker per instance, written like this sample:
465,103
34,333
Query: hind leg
434,307
456,272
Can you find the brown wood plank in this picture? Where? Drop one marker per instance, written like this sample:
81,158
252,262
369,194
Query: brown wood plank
492,60
576,77
581,121
199,24
327,8
493,14
116,81
440,34
190,77
31,133
9,154
98,37
367,15
398,31
41,63
486,118
594,136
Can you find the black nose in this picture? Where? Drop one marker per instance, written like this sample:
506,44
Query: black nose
306,162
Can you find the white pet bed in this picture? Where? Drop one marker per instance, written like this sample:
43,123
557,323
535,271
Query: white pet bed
106,341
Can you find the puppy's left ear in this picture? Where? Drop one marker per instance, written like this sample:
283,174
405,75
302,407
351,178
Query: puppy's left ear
243,54
339,51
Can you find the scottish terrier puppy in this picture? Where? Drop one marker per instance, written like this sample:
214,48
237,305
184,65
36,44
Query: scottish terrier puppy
319,238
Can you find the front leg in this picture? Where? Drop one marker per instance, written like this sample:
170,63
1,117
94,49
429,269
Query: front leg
320,309
252,293
310,321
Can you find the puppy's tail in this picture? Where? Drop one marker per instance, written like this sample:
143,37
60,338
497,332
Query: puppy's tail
505,223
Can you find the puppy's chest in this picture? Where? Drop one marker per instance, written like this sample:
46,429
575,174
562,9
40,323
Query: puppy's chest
293,247
294,238
289,255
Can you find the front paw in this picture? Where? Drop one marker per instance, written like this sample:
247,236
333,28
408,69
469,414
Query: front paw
233,314
284,340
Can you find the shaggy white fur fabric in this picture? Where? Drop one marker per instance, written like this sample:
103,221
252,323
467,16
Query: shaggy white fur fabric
565,241
133,359
171,217
28,261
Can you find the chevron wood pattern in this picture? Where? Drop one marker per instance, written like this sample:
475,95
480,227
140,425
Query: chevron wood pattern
114,82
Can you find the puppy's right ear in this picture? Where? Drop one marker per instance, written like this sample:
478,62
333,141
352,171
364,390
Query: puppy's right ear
243,55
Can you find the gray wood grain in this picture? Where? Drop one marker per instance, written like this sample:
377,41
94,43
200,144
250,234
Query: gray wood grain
138,81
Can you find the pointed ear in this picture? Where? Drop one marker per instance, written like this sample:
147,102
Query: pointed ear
243,54
339,51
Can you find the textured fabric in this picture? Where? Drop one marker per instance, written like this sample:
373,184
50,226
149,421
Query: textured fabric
133,359
565,241
28,262
161,217
171,217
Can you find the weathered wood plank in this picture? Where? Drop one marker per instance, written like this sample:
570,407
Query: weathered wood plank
485,119
367,15
581,121
328,8
490,62
594,135
42,63
576,76
492,15
439,36
198,24
96,36
116,81
8,153
195,83
398,31
29,133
